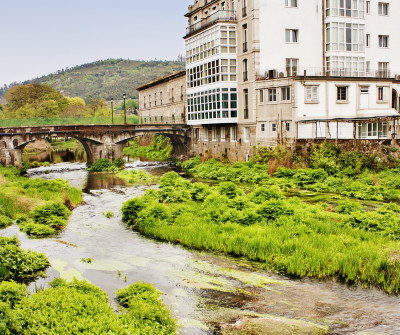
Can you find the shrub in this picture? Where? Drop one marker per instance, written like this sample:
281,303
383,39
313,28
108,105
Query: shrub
52,214
37,229
131,209
12,293
262,194
273,209
21,265
145,305
5,221
229,189
101,165
348,206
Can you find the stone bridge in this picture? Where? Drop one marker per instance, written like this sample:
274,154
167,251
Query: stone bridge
99,141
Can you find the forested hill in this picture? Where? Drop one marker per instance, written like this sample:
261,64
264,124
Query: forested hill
105,79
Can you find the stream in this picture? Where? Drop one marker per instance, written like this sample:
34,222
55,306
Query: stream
201,288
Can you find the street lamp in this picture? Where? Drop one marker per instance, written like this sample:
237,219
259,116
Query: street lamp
124,96
112,110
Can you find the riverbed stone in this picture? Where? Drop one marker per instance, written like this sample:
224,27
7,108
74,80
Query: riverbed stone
272,326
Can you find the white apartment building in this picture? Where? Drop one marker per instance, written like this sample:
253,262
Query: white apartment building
262,72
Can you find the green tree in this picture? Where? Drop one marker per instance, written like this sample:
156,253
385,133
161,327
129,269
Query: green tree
34,100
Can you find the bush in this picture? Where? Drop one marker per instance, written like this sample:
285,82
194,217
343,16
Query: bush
101,165
348,207
12,293
5,221
131,209
54,215
37,229
229,189
273,209
20,265
262,194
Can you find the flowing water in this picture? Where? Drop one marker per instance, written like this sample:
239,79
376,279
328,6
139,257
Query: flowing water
201,289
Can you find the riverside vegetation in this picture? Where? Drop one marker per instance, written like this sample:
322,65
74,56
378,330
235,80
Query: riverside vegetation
160,149
344,241
40,209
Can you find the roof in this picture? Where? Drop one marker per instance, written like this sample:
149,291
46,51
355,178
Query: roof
161,80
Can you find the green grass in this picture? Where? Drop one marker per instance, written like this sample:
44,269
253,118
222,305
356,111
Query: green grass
39,206
286,235
99,120
82,308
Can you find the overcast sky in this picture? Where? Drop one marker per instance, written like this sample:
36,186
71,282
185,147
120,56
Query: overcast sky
38,37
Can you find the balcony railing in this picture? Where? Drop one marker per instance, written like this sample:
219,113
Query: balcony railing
321,72
219,16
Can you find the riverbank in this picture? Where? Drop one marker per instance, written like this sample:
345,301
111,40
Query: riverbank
289,236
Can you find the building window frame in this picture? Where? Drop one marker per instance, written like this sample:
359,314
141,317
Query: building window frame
383,41
272,95
234,134
291,3
214,134
205,132
223,134
342,94
246,134
383,8
292,36
286,94
262,127
311,94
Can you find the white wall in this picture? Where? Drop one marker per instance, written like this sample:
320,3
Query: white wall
384,25
275,18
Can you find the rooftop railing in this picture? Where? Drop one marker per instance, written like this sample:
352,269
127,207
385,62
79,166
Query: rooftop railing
320,72
219,16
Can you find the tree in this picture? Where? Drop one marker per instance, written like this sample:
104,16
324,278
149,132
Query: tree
34,100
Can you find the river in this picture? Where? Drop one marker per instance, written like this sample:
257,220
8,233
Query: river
201,289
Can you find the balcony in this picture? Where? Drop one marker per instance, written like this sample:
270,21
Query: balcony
219,16
321,72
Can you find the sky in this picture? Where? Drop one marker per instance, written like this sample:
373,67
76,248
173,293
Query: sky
39,37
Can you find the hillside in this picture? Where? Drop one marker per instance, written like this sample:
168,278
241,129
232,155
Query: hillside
104,79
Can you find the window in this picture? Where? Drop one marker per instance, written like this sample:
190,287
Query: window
245,70
368,40
273,127
272,94
214,133
287,126
342,93
383,8
246,134
292,35
341,36
246,103
291,3
383,69
285,93
291,66
383,41
346,8
233,134
368,7
368,66
244,8
383,94
311,92
262,127
261,96
223,134
245,38
205,134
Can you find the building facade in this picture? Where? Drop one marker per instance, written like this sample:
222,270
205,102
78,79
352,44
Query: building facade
163,100
264,72
268,72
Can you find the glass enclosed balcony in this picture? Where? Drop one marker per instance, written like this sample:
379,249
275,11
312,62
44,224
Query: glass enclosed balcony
219,16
